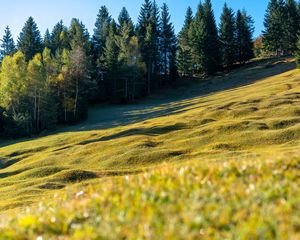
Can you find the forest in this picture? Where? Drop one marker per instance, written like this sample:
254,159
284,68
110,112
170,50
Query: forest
51,80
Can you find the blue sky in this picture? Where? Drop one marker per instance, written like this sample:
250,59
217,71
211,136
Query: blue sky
48,12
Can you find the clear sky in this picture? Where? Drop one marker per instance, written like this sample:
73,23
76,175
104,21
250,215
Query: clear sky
48,12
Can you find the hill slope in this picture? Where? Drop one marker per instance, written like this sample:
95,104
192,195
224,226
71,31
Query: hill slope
231,126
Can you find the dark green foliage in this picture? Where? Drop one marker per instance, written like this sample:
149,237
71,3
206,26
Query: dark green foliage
111,61
79,36
184,59
212,60
59,38
197,34
274,27
8,47
227,37
120,63
101,31
47,39
168,45
30,41
298,53
148,31
124,18
291,26
205,41
244,39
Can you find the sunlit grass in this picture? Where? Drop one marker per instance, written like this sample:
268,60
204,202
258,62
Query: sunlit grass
223,165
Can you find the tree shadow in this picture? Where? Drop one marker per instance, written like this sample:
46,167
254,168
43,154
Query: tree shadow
167,102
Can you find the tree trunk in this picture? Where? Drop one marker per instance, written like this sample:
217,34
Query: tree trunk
76,99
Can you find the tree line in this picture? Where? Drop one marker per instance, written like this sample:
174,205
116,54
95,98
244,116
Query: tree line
281,32
50,80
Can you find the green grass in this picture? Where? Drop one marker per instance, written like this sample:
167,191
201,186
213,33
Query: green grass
257,199
218,159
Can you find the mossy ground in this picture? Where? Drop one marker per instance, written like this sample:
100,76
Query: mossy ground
235,141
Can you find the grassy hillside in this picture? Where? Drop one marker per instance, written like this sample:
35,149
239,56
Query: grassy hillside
236,139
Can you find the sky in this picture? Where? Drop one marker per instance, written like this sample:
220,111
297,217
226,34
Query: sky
47,13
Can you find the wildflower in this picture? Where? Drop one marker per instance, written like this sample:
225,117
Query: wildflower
79,194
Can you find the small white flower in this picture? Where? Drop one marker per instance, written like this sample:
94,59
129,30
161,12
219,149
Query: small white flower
79,194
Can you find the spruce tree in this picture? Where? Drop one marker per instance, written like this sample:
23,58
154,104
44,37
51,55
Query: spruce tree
148,34
124,18
298,52
197,35
167,43
111,63
274,27
244,37
59,38
184,60
212,60
8,47
291,26
30,41
101,31
47,39
79,36
227,37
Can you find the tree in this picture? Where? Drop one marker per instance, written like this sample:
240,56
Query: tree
298,53
80,82
274,27
8,47
196,35
35,86
111,53
168,42
244,37
79,36
47,39
148,34
291,26
124,18
59,38
30,41
184,60
212,60
101,31
13,95
227,37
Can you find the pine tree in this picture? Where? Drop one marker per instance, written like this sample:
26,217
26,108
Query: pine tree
227,37
291,26
111,53
149,34
79,36
124,18
168,43
274,27
47,39
244,37
101,31
155,39
59,38
196,35
30,41
212,60
297,55
8,47
184,60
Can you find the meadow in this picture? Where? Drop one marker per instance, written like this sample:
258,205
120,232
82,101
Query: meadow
212,159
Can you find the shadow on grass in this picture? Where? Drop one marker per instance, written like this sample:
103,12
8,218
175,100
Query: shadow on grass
171,101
